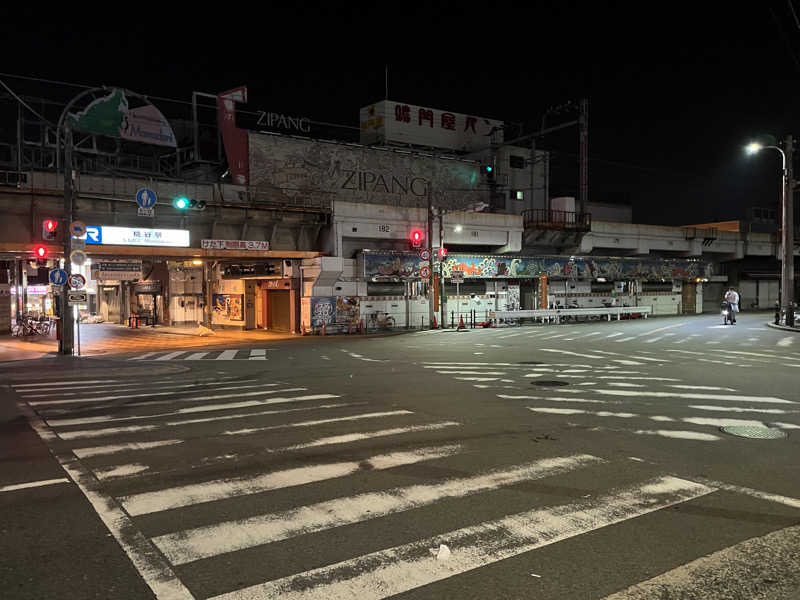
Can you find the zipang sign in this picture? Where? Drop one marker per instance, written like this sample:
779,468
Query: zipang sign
137,236
394,122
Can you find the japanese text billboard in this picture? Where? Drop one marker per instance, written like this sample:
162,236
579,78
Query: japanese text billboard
398,123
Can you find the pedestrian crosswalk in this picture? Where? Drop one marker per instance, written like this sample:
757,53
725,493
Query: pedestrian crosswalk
697,412
225,475
627,332
229,354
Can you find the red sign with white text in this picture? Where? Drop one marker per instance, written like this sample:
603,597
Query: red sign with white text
234,139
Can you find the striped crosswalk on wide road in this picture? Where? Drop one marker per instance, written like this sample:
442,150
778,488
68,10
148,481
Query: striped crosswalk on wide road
225,487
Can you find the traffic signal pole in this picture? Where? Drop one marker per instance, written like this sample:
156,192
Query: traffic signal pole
65,345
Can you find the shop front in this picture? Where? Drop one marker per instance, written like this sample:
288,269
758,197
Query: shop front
255,295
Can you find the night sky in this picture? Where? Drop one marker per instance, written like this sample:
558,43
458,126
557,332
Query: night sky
675,90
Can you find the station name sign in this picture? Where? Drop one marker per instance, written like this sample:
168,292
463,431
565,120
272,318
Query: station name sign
137,236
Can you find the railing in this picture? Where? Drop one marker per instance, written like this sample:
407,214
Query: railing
124,188
560,220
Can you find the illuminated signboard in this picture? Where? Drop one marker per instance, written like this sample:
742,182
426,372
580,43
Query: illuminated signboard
137,236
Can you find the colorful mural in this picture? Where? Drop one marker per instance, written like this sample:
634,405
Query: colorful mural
406,266
334,310
323,311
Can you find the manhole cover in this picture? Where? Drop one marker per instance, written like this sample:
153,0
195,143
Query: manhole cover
550,383
753,432
530,362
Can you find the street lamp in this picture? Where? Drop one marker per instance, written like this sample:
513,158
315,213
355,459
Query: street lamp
787,228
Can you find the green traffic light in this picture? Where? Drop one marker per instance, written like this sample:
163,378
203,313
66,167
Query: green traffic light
488,168
181,203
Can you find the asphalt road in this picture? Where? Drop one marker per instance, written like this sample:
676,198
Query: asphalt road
552,462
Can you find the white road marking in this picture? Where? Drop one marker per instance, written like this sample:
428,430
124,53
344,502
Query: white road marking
471,372
787,341
48,384
702,387
138,386
196,356
476,378
680,435
637,378
106,473
614,335
193,409
550,398
33,484
372,415
655,339
624,384
627,339
355,437
209,491
153,568
403,568
573,411
646,393
116,448
203,542
227,355
141,356
571,353
92,433
630,363
721,422
173,392
793,502
771,411
171,355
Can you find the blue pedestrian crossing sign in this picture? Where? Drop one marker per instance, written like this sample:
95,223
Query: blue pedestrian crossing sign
58,277
146,198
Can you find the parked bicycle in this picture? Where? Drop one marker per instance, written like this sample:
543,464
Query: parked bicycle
380,320
32,325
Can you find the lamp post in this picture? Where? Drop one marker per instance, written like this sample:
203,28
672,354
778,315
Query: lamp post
787,227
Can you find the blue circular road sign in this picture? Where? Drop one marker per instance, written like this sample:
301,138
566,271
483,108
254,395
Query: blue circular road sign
146,198
58,277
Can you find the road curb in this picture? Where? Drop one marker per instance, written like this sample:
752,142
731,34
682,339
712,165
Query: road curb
784,327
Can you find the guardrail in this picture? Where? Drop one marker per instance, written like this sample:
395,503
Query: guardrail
541,218
559,313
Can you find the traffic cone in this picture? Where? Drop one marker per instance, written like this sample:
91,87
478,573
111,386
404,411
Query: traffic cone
434,322
460,322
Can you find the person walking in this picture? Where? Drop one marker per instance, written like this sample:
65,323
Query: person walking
732,298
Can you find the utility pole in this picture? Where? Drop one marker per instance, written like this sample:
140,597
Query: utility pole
787,235
65,345
583,168
430,251
442,307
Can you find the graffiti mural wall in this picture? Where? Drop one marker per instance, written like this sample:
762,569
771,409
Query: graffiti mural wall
407,265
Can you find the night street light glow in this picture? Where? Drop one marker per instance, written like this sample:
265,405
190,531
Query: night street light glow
753,147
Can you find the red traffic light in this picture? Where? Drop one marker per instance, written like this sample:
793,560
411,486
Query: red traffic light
49,230
416,237
40,252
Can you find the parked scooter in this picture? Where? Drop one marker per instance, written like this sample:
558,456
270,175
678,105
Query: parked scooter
726,313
